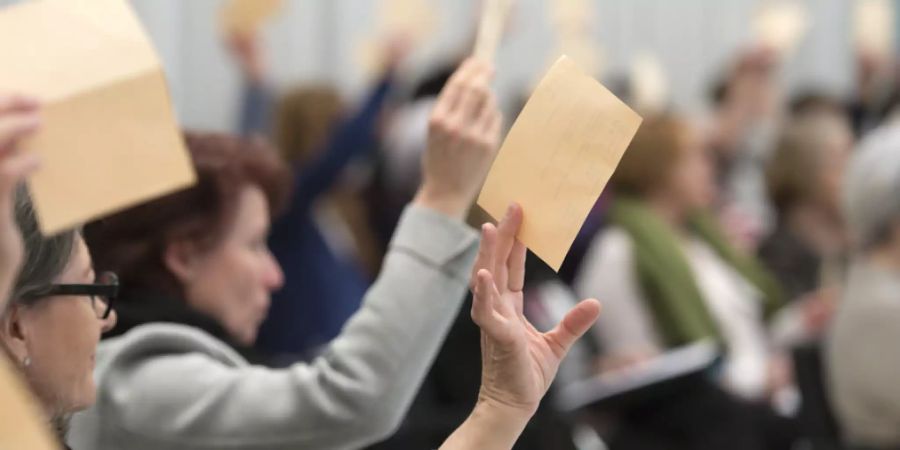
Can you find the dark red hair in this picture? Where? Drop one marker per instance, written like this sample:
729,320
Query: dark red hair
132,243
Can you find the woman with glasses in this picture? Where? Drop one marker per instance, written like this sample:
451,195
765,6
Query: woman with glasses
52,309
57,311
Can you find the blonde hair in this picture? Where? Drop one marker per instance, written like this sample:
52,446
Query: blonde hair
647,164
799,154
304,118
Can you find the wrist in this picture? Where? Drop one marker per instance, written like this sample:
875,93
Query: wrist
449,204
503,418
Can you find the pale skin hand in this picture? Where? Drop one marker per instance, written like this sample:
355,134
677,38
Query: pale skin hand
463,137
518,361
246,50
19,118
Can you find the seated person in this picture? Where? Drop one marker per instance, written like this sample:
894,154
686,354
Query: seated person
861,359
804,178
669,277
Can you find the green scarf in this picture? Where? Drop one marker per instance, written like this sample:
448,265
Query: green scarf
665,276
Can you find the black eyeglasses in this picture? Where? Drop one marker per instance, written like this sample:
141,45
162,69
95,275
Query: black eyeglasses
102,293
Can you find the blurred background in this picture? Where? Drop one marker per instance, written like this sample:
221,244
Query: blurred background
321,40
746,260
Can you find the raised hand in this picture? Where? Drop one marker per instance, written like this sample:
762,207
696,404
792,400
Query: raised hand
246,50
19,118
463,137
518,361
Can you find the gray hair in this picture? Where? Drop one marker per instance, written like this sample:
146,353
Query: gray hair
872,187
45,257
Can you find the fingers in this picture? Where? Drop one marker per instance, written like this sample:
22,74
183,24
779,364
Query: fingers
486,251
506,238
15,126
14,169
17,103
450,96
483,302
516,267
578,320
475,95
466,96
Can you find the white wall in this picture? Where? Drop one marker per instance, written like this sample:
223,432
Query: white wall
316,39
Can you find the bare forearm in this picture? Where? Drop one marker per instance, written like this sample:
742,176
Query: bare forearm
489,427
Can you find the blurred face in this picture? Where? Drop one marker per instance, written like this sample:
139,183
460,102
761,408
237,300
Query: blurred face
233,282
831,174
59,335
691,183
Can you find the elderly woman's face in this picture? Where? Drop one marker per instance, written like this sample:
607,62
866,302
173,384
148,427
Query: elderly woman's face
233,282
60,336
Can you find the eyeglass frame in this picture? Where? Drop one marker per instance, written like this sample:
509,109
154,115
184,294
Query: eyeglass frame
108,291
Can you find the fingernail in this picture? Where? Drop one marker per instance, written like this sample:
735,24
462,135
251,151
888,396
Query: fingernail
509,210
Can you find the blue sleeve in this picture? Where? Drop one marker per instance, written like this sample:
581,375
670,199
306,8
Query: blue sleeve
256,109
353,136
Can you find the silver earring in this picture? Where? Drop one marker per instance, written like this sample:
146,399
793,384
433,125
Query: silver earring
27,361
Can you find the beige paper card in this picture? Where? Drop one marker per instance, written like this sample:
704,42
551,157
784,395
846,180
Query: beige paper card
874,22
558,157
414,20
110,139
781,25
21,426
494,17
248,15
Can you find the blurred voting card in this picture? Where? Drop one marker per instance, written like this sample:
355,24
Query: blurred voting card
643,381
494,17
109,138
781,25
558,157
412,20
649,85
21,421
246,16
874,26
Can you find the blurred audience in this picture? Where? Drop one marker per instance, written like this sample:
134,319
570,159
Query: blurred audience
806,251
862,364
747,108
669,276
324,241
197,276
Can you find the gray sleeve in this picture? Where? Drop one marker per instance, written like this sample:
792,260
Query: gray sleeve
355,394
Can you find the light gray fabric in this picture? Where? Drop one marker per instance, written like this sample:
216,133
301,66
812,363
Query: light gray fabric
871,203
167,386
863,358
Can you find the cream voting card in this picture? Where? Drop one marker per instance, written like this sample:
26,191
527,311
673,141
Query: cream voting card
494,16
109,138
781,25
557,158
248,15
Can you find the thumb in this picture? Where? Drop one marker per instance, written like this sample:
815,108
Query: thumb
577,321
